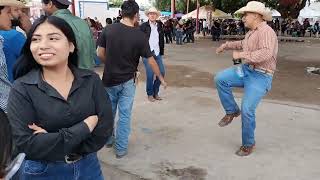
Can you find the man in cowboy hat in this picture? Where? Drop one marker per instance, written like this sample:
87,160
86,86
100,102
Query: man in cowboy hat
259,52
5,24
20,18
154,32
13,39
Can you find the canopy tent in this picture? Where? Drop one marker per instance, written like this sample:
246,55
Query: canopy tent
168,13
165,13
205,11
311,12
275,13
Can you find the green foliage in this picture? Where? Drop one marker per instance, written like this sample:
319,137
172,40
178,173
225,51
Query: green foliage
163,5
181,6
115,3
287,8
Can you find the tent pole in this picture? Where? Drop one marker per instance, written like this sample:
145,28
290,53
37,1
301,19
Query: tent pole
73,7
197,19
173,7
188,6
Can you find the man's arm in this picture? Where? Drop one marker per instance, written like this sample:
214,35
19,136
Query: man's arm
101,53
234,45
25,23
101,50
155,68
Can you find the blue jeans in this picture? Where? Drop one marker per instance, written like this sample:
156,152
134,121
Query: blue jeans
97,60
255,84
153,85
179,35
122,97
87,168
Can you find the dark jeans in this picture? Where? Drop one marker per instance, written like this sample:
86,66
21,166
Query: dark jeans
87,168
179,35
189,36
168,37
215,36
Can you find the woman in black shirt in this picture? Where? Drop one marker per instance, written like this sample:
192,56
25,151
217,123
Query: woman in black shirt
5,144
60,115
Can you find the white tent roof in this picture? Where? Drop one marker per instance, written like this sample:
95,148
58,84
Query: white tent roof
311,11
275,13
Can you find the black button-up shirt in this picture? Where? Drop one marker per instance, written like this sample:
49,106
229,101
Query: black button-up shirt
32,100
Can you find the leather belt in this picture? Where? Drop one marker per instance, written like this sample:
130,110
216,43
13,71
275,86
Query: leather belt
72,158
262,70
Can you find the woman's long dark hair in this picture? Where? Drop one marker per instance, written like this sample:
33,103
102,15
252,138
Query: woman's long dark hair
5,143
26,61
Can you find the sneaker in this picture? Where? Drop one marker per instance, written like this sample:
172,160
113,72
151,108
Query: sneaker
121,154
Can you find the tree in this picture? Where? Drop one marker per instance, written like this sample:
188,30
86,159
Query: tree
287,8
229,6
181,5
115,3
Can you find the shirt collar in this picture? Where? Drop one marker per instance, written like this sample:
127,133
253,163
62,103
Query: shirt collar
35,77
261,25
151,23
62,11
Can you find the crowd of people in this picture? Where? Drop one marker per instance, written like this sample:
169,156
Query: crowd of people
61,113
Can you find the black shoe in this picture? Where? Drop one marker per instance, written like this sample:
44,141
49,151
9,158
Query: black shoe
119,156
110,142
109,145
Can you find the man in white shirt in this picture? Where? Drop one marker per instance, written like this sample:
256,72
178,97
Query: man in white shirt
205,27
154,31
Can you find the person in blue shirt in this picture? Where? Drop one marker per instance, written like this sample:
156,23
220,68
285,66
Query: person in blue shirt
12,46
5,19
13,40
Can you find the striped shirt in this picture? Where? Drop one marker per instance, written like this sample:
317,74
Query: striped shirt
260,47
5,84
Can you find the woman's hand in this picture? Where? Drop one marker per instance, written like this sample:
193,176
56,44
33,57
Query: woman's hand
91,122
37,129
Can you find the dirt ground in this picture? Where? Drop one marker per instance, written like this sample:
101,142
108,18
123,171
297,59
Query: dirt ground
178,138
291,81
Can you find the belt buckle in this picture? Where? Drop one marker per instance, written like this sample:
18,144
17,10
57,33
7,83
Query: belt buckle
70,160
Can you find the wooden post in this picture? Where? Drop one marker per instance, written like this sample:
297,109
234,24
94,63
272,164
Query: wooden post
188,6
173,7
73,9
197,20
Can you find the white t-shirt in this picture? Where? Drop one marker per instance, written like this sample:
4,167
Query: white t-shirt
204,24
154,38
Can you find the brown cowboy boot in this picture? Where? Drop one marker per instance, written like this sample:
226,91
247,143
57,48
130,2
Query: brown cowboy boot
245,150
227,119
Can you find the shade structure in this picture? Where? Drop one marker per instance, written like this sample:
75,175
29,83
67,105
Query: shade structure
204,12
311,12
275,13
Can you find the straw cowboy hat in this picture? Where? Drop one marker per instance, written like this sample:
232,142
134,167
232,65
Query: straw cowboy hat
256,7
153,10
12,3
